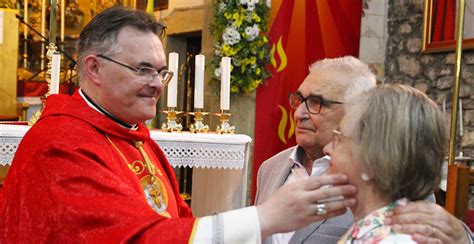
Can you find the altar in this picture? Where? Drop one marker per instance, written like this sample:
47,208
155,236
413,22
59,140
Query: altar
219,162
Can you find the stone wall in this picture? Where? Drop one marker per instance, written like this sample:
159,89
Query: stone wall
430,73
373,36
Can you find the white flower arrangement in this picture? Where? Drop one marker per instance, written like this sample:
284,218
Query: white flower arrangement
238,28
231,36
251,32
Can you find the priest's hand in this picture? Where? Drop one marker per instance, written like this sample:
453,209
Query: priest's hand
295,205
428,223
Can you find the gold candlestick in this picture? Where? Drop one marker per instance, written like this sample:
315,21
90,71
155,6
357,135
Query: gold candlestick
198,126
52,21
225,127
38,113
43,32
25,36
171,123
51,50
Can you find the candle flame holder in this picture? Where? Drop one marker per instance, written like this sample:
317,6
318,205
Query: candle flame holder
224,127
172,123
198,126
52,48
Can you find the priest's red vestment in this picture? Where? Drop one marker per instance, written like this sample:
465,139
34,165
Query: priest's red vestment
77,177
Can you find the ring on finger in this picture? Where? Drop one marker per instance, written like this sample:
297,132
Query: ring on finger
321,209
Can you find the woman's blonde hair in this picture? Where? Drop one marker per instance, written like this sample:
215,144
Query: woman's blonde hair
401,136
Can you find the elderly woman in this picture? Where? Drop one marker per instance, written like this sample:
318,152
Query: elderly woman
391,145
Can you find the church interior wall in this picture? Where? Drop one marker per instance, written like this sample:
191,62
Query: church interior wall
431,73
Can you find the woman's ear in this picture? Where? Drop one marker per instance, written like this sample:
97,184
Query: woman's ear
92,69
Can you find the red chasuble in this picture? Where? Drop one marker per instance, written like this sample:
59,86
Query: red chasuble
77,176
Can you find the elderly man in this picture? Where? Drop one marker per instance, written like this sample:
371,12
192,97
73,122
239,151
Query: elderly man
318,111
89,172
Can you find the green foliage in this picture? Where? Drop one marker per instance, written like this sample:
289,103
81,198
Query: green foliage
239,28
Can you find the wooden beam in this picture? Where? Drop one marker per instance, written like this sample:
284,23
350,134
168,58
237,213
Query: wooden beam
457,190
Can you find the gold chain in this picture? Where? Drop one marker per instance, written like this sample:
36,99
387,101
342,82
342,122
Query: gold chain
116,148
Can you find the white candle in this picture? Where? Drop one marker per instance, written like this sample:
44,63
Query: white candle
199,81
55,71
225,83
173,61
460,118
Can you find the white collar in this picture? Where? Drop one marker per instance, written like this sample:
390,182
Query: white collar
101,110
320,165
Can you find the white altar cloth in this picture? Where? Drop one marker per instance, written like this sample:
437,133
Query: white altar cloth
204,150
181,149
10,137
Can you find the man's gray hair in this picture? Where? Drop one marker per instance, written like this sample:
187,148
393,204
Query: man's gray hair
354,75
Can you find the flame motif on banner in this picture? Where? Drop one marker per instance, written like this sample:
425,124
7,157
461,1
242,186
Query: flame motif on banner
283,124
281,53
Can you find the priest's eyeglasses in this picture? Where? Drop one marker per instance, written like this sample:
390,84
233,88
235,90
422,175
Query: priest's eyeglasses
313,102
164,74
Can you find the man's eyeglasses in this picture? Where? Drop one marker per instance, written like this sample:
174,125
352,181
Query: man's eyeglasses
313,102
164,75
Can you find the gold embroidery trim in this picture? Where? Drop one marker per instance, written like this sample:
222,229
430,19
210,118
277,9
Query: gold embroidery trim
155,181
137,167
132,166
149,165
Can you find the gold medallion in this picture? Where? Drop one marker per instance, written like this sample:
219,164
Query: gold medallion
156,195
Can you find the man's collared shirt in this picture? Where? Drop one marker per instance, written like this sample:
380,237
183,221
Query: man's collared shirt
298,172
